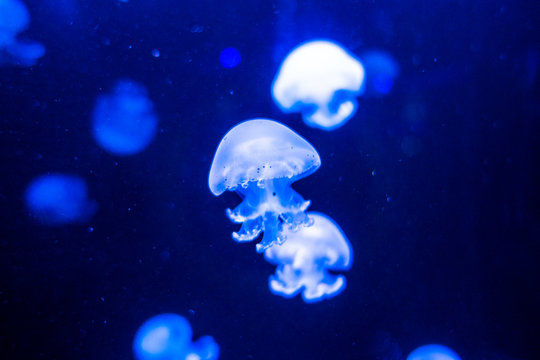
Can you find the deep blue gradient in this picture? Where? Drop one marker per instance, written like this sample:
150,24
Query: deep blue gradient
435,184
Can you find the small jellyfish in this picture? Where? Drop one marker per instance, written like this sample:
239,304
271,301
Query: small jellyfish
321,80
59,199
304,260
381,71
260,159
229,58
168,337
124,122
433,352
14,18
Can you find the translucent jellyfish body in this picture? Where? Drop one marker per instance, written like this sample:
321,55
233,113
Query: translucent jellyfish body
124,122
59,199
14,18
304,260
168,337
381,71
260,159
321,80
433,352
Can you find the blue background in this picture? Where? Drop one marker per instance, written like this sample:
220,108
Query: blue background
453,258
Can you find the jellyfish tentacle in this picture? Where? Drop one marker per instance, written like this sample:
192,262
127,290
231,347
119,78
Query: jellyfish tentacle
249,230
295,216
243,212
272,231
329,286
283,284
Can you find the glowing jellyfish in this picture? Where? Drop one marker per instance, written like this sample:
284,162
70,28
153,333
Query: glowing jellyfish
124,122
229,58
260,159
433,352
59,199
381,71
14,18
168,337
304,260
321,80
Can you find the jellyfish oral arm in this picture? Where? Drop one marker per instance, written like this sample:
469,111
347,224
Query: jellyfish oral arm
266,206
315,284
326,119
329,286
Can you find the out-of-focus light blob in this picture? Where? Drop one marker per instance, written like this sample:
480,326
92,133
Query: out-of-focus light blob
260,159
124,122
381,72
321,80
59,199
229,58
304,260
411,145
14,18
433,352
168,337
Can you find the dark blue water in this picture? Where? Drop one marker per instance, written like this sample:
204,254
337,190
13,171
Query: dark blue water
446,237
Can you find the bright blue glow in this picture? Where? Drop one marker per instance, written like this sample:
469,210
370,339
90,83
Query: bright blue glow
260,159
124,122
14,18
383,83
304,260
229,58
381,71
433,352
59,199
321,80
168,337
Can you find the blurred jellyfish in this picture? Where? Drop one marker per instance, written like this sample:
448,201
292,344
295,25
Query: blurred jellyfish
229,58
304,260
433,352
411,145
124,122
260,159
168,337
381,71
14,18
59,199
321,80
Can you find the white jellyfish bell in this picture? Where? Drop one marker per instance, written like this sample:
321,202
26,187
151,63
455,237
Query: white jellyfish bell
433,352
321,80
260,159
305,260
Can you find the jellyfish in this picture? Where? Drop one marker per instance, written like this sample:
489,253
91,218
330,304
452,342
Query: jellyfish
381,71
59,199
433,352
230,58
124,122
304,260
168,337
321,80
259,159
14,18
